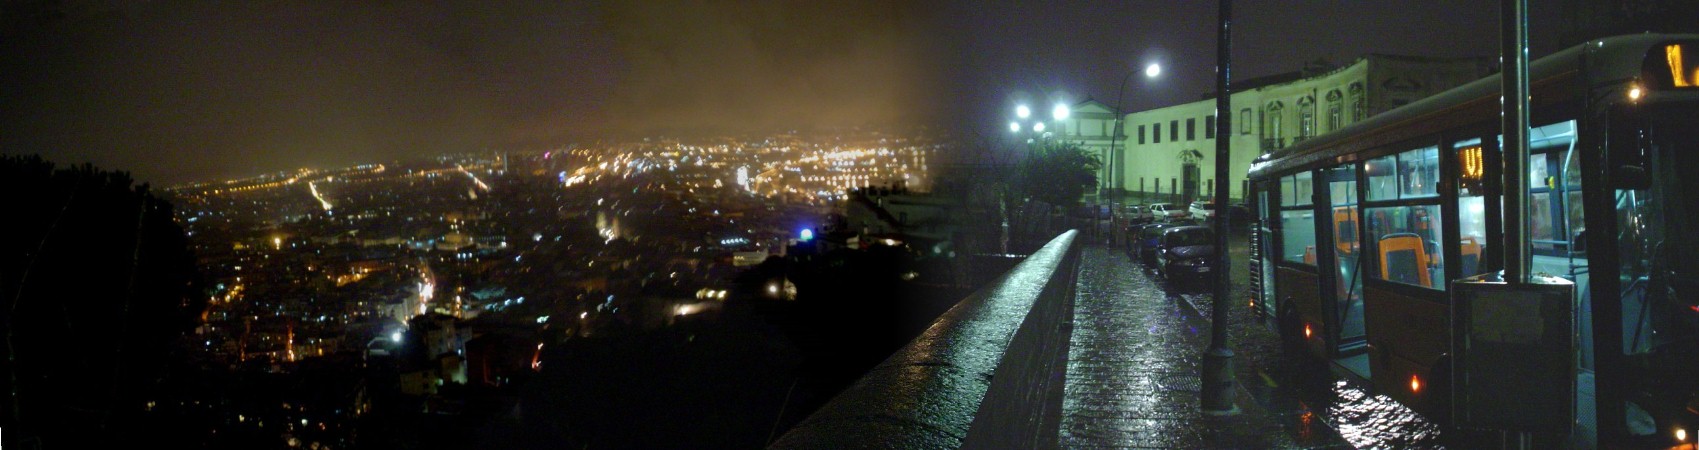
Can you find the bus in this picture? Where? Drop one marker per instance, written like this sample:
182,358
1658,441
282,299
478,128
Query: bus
1410,200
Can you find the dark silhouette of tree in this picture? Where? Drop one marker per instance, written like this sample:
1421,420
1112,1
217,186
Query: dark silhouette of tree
1057,173
96,285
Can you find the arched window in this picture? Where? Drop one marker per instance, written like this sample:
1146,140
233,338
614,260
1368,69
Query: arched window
1271,139
1359,106
1335,110
1306,117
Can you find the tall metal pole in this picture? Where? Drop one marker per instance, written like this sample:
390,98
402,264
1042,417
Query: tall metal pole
1115,135
1218,390
1514,50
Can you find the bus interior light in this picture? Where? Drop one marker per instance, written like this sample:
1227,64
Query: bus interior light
1672,55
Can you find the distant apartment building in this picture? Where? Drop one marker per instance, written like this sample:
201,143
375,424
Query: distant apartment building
1170,151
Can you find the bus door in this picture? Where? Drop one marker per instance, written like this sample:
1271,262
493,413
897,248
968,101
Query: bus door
1341,261
1648,366
1554,196
1264,250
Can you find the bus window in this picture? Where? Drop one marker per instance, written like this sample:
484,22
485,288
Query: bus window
1295,190
1298,236
1407,244
1297,220
1411,174
1418,173
1383,180
1552,221
1471,208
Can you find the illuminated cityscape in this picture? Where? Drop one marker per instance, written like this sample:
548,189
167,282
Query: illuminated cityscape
487,259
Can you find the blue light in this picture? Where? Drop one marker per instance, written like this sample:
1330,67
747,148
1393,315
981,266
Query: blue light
807,234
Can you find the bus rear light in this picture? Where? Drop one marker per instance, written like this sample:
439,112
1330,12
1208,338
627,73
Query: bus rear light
1415,384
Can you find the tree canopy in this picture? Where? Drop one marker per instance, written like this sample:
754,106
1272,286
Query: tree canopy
1057,173
98,283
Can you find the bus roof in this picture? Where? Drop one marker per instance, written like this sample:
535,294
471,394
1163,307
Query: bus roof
1609,60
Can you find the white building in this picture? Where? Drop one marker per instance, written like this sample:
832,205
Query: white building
1168,153
1092,124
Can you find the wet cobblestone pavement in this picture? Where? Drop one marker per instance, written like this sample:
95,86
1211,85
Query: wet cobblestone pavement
1133,382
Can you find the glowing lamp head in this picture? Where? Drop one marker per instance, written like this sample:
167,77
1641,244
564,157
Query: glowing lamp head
1061,112
1152,70
395,336
1014,127
806,235
1634,93
1415,384
1307,332
1023,112
1681,434
1038,127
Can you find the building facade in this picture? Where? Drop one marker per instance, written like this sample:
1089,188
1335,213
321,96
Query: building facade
1169,153
1092,125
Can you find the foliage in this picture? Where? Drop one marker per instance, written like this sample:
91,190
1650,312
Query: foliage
1057,173
98,283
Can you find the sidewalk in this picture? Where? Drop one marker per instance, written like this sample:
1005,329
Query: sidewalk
1133,382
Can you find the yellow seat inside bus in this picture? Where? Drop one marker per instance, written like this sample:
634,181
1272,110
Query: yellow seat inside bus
1470,253
1404,259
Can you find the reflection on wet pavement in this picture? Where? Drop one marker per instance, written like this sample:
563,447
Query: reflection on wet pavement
1132,378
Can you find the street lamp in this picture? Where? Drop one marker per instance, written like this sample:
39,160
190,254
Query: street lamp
1023,112
1150,71
1060,112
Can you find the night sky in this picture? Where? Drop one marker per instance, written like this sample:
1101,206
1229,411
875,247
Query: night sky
177,91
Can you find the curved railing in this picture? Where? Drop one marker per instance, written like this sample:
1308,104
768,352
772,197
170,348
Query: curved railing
988,373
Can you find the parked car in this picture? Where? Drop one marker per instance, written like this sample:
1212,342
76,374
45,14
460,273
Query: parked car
1145,239
1202,210
1167,211
1137,214
1186,252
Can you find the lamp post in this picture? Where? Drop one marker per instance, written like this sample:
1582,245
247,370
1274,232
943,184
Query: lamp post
1114,163
1217,369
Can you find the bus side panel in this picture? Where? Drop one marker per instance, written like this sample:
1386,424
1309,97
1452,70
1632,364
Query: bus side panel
1406,336
1302,290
